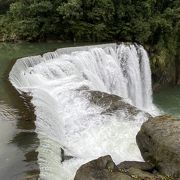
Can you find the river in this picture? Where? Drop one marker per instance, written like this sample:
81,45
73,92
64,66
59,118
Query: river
17,138
18,141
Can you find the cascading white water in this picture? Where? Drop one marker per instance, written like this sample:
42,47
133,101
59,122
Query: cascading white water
65,118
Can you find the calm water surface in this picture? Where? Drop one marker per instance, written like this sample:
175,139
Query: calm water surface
18,141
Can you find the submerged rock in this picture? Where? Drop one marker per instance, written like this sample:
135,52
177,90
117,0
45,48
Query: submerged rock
112,103
159,143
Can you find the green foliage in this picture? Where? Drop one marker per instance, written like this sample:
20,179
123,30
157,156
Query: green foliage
31,20
71,10
147,22
87,20
4,5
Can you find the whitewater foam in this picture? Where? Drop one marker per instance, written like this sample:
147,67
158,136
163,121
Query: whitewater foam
66,119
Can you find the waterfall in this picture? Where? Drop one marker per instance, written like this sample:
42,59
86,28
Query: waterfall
66,119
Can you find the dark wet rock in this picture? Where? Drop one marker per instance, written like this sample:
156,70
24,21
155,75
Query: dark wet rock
159,143
64,156
144,166
112,103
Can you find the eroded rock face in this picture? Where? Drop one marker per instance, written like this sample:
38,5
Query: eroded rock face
159,143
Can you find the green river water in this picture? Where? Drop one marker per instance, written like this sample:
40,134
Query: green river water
18,140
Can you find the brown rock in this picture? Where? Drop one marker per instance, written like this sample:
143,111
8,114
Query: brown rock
159,143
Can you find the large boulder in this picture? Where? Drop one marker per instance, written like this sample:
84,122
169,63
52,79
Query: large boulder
159,143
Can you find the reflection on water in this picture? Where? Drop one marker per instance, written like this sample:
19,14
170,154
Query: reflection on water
24,139
17,140
10,156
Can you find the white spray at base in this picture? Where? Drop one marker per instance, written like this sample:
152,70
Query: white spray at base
66,119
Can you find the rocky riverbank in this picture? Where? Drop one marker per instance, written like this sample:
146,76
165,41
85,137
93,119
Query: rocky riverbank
159,143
